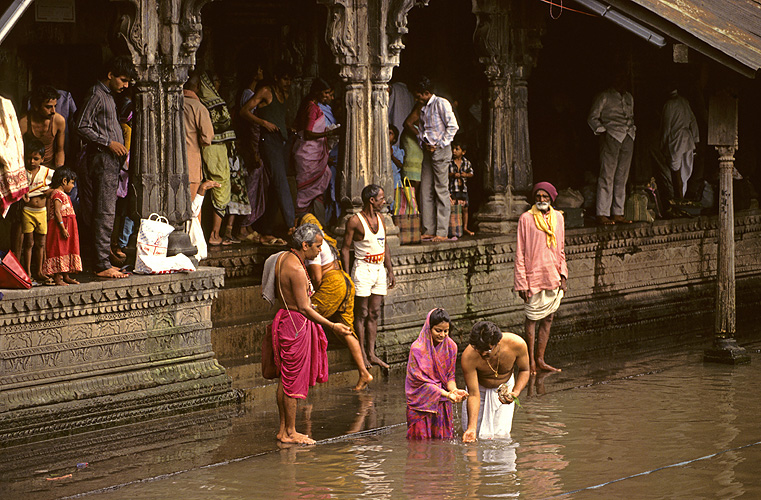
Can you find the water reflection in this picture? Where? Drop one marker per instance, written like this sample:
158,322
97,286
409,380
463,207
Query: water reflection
429,470
678,430
366,414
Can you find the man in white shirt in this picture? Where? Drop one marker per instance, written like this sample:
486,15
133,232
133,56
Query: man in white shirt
437,129
612,118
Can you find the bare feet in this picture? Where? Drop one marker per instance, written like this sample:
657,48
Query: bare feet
604,220
439,239
68,279
296,438
532,368
58,279
111,272
547,368
468,232
363,382
377,361
368,365
427,237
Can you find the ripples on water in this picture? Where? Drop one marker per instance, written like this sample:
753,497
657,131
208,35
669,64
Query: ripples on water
565,443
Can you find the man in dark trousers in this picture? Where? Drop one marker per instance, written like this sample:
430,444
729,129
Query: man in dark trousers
98,126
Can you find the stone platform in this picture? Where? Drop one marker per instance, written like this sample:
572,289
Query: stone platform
106,353
627,284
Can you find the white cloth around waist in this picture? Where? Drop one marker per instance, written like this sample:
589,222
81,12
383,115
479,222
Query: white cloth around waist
542,304
495,420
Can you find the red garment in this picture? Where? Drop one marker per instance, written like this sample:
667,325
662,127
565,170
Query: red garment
62,254
538,267
301,352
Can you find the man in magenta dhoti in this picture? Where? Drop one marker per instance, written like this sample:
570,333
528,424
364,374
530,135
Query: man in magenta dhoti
298,338
540,269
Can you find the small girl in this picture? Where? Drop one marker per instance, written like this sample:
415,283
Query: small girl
62,244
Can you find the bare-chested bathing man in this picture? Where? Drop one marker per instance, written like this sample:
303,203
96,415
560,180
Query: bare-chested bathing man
298,341
490,360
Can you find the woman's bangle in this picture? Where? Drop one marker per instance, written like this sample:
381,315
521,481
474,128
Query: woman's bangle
60,222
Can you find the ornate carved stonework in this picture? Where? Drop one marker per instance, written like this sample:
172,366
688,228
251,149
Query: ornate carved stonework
106,353
491,40
507,48
367,57
626,282
162,36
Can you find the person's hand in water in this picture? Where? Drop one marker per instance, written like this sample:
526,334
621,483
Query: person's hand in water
469,436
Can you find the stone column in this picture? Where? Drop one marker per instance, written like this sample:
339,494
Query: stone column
722,133
367,56
162,36
523,54
347,38
491,40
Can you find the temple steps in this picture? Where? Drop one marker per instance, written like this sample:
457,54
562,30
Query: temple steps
246,374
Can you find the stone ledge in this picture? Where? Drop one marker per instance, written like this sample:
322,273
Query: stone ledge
640,265
108,353
136,292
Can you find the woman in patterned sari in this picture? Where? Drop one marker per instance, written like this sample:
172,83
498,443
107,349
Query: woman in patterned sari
430,384
310,151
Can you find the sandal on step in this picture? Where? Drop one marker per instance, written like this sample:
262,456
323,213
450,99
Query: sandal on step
274,242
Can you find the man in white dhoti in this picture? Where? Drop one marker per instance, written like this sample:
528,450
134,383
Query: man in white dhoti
491,360
679,135
540,269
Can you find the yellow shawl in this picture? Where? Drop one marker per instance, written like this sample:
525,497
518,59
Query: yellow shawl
541,224
311,219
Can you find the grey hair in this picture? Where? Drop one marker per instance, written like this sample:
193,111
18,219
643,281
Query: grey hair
305,233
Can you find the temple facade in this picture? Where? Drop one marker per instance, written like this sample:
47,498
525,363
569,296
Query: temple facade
525,78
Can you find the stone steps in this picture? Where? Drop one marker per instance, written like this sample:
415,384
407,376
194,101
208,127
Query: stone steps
246,374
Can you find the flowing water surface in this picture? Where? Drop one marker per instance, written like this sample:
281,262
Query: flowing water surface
652,427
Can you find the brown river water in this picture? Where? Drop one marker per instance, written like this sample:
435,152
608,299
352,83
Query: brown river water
657,424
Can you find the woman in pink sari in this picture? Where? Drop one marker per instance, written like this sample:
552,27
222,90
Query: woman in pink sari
310,151
430,384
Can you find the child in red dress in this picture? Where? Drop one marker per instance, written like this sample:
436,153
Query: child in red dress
62,244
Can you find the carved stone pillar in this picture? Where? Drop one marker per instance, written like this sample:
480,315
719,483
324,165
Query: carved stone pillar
725,348
525,44
367,56
162,36
491,39
347,39
723,133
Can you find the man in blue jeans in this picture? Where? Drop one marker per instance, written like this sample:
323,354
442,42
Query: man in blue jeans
438,128
270,105
98,126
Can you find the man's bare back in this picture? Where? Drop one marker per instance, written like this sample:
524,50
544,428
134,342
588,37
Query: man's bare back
291,280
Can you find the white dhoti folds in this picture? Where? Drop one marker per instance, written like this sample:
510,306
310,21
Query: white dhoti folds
543,303
495,419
